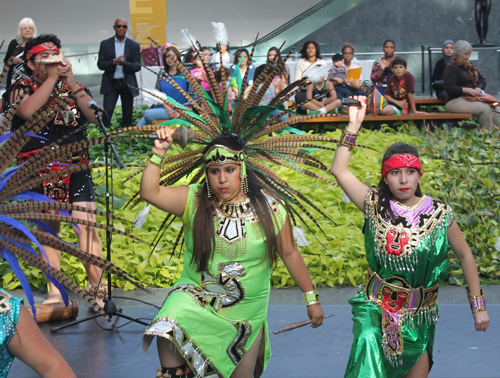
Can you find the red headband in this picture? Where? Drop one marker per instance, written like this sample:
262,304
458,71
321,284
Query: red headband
46,46
401,161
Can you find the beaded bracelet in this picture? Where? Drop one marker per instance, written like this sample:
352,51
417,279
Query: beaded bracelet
77,91
476,303
348,139
156,159
311,297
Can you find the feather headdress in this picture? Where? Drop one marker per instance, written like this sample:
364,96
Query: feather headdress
188,40
220,34
21,208
253,124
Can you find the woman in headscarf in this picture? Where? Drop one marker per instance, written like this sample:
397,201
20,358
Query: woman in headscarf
441,64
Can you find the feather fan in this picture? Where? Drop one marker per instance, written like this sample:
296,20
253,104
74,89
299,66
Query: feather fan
253,123
20,206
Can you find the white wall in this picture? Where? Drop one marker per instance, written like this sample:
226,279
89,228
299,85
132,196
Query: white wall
90,21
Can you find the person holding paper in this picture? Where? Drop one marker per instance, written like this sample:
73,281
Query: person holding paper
340,77
354,72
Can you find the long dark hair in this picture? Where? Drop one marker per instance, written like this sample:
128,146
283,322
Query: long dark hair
238,53
203,225
384,193
303,52
43,38
278,60
177,55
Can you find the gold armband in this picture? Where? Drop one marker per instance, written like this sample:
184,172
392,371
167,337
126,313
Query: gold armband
311,297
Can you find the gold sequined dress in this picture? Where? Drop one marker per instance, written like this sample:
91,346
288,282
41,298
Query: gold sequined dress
214,317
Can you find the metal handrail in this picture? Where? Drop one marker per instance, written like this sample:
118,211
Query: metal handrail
83,54
291,23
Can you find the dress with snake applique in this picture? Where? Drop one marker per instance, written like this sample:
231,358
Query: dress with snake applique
213,317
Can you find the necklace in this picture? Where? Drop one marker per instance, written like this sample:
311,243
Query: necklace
412,207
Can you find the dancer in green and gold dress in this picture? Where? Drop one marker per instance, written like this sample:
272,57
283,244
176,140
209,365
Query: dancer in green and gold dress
214,319
407,237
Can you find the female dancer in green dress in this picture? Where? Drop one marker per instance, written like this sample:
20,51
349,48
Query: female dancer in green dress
407,236
214,319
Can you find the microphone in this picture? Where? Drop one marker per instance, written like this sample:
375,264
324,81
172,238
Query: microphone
93,105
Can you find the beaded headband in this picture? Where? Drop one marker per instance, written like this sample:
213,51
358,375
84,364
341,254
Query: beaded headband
220,155
401,161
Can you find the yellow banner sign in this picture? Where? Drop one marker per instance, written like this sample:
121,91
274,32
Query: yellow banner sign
148,18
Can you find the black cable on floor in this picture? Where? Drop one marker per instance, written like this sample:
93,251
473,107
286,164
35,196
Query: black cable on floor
139,300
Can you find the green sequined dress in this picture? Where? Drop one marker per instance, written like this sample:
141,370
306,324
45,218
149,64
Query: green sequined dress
214,317
396,310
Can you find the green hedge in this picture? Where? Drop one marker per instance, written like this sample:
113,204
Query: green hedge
451,173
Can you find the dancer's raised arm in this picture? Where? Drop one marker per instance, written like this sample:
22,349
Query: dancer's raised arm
171,199
349,183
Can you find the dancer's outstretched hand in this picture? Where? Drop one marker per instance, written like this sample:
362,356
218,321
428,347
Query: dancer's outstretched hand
357,113
481,320
315,313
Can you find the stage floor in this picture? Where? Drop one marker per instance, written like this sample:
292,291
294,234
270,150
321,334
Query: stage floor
459,351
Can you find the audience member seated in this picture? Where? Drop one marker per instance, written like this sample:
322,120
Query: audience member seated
207,55
199,73
190,53
163,111
381,69
227,57
338,76
461,78
280,81
441,64
323,98
400,90
239,74
25,31
310,57
354,86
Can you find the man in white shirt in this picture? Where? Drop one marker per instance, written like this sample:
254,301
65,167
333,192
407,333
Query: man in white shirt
119,58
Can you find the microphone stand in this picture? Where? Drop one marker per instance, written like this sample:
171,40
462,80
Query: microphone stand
109,306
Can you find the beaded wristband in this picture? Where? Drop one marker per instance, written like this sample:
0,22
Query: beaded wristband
476,303
348,139
311,297
156,159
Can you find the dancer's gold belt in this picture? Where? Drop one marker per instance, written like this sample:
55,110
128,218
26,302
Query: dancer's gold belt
399,301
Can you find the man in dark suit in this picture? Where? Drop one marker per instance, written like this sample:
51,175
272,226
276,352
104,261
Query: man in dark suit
119,58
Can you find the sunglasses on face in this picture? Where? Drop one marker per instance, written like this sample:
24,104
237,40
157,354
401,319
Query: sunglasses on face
121,26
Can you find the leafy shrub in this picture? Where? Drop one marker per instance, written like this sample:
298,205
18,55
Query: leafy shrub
452,173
